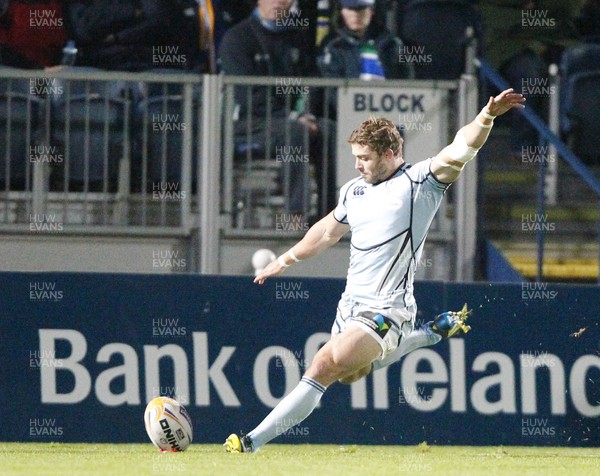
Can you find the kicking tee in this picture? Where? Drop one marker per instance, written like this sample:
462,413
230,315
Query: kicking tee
389,223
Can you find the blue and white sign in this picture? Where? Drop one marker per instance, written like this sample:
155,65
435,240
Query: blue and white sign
83,353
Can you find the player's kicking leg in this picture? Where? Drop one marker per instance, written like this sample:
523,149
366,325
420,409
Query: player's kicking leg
343,355
444,326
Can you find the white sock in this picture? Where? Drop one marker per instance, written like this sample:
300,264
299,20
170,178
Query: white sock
421,337
290,411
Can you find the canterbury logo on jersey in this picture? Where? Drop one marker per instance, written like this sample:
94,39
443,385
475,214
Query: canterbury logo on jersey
360,190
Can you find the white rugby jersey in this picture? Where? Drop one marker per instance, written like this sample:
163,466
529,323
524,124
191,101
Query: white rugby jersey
389,222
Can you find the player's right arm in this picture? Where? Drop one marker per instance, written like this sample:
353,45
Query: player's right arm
447,165
322,235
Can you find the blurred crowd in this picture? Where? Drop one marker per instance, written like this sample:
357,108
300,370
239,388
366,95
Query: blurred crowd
372,40
338,35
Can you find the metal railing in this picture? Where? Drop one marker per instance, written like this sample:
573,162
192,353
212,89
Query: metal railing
271,156
546,136
147,154
101,149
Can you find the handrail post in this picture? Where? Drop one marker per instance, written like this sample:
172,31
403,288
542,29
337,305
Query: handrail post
539,216
228,151
554,125
466,191
186,157
470,51
209,175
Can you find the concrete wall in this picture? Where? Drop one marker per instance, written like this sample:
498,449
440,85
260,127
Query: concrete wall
159,254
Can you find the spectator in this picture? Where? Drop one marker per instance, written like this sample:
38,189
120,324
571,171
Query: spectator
134,35
521,49
588,21
525,66
271,42
32,33
360,47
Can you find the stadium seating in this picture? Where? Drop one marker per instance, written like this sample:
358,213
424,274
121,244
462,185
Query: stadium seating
576,59
258,190
90,126
158,134
582,111
19,131
161,147
443,49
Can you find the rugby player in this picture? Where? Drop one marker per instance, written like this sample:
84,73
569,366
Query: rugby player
388,209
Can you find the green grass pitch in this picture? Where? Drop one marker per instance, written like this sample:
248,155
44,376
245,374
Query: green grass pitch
272,460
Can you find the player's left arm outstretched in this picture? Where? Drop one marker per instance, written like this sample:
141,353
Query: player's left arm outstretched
447,165
322,235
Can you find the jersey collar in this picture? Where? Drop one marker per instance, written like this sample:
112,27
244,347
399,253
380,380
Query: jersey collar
401,168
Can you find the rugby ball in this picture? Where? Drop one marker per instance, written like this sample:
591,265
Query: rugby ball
168,424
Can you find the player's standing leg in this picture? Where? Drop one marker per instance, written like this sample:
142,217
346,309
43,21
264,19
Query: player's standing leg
343,355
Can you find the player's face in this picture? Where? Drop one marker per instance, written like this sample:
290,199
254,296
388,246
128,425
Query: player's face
272,9
372,167
357,20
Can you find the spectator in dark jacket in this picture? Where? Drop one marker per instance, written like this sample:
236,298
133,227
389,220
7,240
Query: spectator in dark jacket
261,46
272,42
588,21
361,48
132,35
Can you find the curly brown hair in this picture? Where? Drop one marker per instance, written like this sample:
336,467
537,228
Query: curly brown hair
379,134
